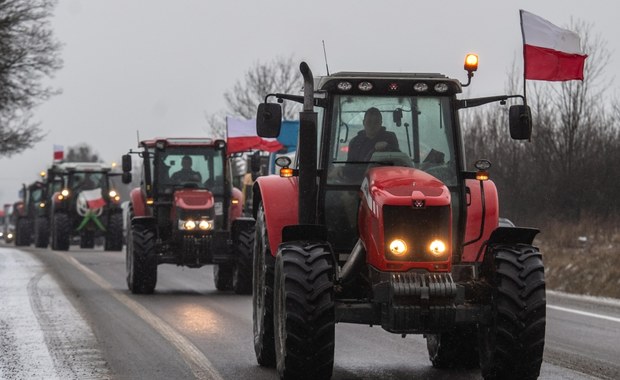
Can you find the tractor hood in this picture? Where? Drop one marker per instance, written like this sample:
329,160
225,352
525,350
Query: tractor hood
193,199
404,185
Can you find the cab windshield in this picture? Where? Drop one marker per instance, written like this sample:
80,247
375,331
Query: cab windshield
410,131
181,167
79,181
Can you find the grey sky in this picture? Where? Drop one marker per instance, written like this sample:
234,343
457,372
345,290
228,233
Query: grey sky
158,66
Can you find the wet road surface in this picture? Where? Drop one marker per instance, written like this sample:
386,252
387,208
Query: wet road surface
69,315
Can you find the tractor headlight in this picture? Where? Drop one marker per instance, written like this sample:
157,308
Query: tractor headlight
9,236
437,247
398,247
205,225
112,193
64,192
189,225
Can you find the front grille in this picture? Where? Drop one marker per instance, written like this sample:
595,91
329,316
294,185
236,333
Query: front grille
417,227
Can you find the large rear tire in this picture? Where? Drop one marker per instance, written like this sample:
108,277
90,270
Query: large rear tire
304,311
262,294
454,349
22,232
61,232
242,270
222,276
140,260
41,232
511,345
114,233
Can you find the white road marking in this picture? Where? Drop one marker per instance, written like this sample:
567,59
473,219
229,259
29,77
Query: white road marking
584,313
200,365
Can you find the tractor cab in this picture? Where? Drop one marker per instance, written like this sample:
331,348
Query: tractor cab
186,212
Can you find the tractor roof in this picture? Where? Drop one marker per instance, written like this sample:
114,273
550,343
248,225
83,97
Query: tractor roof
180,141
81,167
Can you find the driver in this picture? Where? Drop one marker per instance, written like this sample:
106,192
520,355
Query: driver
186,174
374,138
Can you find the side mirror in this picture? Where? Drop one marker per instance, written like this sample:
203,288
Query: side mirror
268,119
520,120
127,164
126,177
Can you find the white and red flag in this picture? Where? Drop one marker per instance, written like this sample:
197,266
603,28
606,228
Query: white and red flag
59,152
93,198
242,137
549,52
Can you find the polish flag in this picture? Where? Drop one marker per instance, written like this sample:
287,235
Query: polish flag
242,137
59,152
93,198
550,53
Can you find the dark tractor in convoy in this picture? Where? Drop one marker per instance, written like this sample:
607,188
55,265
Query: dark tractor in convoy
52,182
186,212
383,225
85,207
27,210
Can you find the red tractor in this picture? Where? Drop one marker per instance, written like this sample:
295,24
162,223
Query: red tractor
186,212
383,225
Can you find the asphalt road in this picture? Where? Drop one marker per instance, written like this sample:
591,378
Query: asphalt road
69,315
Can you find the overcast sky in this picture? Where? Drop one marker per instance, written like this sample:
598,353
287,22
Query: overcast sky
158,66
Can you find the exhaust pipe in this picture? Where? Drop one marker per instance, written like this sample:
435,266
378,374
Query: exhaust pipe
354,262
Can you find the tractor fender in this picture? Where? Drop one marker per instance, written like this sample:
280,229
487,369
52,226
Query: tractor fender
145,221
513,235
482,217
236,209
280,202
138,203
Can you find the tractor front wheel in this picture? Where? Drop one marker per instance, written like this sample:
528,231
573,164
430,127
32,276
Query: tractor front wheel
242,270
511,345
41,232
222,276
61,232
304,311
140,261
114,233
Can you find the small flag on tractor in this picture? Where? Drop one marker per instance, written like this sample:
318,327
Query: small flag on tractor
550,53
93,198
242,137
59,152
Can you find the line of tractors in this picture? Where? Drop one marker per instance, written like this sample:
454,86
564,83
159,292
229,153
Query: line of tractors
406,238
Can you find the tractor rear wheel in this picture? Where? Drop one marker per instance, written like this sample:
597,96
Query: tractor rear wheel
454,349
41,232
61,232
511,345
222,276
242,270
22,232
114,233
304,311
262,294
140,260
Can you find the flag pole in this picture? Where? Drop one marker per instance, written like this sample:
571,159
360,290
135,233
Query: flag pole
523,38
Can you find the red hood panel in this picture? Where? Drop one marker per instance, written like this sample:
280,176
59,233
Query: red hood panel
193,199
402,181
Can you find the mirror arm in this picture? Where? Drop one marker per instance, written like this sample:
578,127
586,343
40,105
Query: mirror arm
467,103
